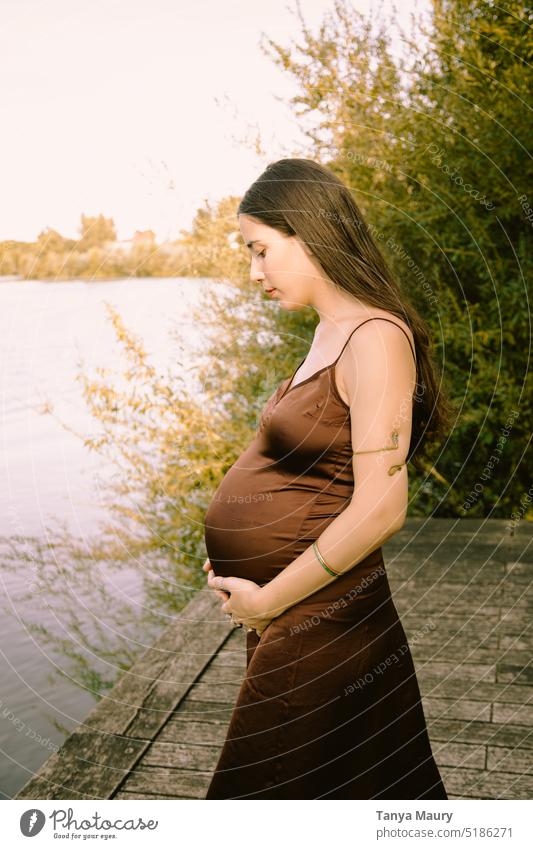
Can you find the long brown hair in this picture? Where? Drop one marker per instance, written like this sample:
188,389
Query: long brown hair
300,197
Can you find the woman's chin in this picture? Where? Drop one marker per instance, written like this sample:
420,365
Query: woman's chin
291,306
285,301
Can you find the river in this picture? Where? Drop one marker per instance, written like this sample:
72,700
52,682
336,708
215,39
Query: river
47,473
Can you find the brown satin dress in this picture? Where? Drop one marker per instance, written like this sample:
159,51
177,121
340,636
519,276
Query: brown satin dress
330,705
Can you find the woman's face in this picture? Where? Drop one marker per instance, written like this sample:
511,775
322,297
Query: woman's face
280,263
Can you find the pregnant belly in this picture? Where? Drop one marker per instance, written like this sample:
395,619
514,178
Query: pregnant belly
260,519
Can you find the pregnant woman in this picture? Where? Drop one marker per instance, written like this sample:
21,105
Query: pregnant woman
330,705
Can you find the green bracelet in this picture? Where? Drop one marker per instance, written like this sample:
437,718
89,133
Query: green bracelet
323,562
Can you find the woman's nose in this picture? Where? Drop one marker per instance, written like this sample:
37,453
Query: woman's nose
256,275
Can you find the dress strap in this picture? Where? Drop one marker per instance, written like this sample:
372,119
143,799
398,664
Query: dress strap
376,318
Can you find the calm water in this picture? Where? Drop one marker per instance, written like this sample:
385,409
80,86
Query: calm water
46,472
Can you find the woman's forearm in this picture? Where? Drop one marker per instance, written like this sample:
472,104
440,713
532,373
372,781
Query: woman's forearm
347,540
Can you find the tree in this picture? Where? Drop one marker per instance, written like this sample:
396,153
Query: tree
435,150
50,240
95,232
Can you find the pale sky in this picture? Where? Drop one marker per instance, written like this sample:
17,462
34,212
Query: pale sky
138,109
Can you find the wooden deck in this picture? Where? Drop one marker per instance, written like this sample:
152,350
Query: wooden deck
157,734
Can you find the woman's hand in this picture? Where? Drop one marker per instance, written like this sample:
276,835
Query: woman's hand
207,568
244,603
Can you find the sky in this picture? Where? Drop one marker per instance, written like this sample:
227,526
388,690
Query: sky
142,109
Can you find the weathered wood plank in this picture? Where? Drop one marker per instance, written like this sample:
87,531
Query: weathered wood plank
474,592
519,572
204,711
516,594
236,641
180,756
461,529
193,732
487,573
220,674
515,673
234,659
517,657
163,699
476,624
165,781
91,767
459,754
435,708
211,691
456,641
131,796
513,622
510,760
476,691
434,607
482,784
458,550
442,651
522,642
457,671
517,714
485,733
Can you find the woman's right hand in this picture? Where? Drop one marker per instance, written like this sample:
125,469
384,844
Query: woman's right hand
208,568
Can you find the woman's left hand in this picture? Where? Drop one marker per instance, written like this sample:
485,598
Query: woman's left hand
244,602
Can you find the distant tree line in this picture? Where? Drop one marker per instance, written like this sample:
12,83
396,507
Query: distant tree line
97,255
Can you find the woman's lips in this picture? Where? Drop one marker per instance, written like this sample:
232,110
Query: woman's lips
270,291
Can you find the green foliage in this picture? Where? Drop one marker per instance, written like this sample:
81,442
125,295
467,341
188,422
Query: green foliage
435,152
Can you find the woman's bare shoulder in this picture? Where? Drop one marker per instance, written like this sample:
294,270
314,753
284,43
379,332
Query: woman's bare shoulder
344,365
388,316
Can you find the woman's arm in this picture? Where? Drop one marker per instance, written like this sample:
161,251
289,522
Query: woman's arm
349,538
379,376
